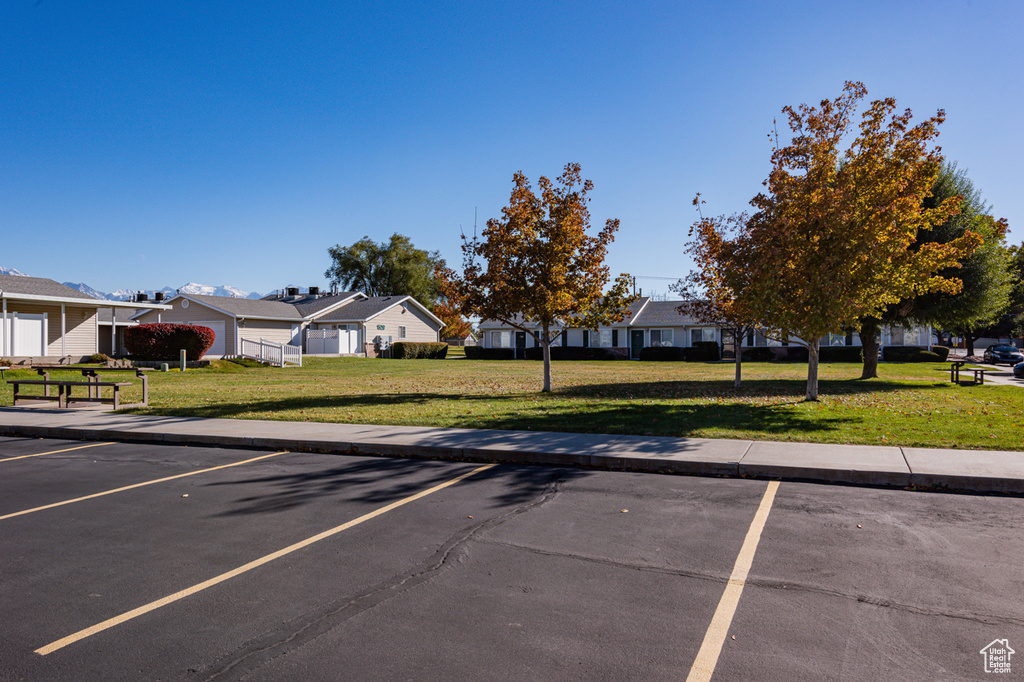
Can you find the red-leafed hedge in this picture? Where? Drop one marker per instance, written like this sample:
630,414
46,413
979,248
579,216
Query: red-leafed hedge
164,341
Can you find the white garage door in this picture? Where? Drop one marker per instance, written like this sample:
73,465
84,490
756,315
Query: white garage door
218,329
28,333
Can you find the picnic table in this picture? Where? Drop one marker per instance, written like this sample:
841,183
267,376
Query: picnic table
63,396
954,372
92,383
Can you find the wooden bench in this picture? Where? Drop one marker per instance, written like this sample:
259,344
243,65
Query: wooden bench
63,396
92,375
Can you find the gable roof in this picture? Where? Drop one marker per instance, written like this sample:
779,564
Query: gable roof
47,290
360,311
661,313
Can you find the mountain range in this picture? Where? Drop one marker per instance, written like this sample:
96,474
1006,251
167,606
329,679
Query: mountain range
125,294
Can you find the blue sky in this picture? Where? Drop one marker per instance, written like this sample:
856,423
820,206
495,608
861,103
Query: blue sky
145,145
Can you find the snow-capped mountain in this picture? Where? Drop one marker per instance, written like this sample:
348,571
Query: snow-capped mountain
86,289
226,290
190,288
125,294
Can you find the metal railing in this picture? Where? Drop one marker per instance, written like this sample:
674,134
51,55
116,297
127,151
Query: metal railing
279,354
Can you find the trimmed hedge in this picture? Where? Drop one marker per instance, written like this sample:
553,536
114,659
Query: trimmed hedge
942,352
662,354
164,341
909,354
758,354
571,353
704,351
841,354
481,353
790,353
409,350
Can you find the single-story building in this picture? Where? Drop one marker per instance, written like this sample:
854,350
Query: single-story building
659,323
41,318
320,323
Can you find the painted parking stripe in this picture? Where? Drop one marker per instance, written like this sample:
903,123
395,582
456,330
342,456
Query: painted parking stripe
152,606
54,452
137,485
714,638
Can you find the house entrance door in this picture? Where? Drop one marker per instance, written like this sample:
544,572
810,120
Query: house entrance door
636,342
520,345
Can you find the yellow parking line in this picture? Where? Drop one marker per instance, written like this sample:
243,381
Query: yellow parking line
137,485
714,638
152,606
54,452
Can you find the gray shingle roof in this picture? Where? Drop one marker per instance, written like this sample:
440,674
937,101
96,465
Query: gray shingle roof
365,309
313,306
661,313
247,307
39,286
277,307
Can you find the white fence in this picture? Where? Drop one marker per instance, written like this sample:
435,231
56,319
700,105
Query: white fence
328,341
280,354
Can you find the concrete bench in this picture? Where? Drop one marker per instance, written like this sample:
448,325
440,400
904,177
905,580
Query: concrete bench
63,396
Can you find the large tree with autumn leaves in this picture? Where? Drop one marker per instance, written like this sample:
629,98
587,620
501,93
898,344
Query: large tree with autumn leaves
538,266
830,241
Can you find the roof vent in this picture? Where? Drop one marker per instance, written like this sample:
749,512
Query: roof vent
143,296
292,291
158,296
314,291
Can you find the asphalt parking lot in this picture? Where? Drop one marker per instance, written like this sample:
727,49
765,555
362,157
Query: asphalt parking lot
124,562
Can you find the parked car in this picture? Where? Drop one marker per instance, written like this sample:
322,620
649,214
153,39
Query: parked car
1018,370
1003,353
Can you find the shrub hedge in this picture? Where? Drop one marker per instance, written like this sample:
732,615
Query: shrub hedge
758,354
570,353
481,353
409,350
704,351
790,353
841,354
164,341
662,354
909,354
942,352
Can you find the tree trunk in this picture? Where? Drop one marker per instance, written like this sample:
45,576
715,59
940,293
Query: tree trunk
969,340
869,340
812,369
546,344
737,337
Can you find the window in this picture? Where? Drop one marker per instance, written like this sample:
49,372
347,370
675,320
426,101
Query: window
896,336
401,332
602,339
696,336
661,337
501,339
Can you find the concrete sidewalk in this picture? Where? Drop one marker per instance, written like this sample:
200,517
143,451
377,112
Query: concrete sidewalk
962,470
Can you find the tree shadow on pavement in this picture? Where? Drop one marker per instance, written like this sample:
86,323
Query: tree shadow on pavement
379,481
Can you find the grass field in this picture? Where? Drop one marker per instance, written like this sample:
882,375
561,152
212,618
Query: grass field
913,405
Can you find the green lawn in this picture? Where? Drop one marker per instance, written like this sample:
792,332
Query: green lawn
914,405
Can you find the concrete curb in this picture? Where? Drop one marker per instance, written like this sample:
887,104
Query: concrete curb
890,467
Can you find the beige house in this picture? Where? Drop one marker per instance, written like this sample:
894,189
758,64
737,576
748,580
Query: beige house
41,318
346,323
